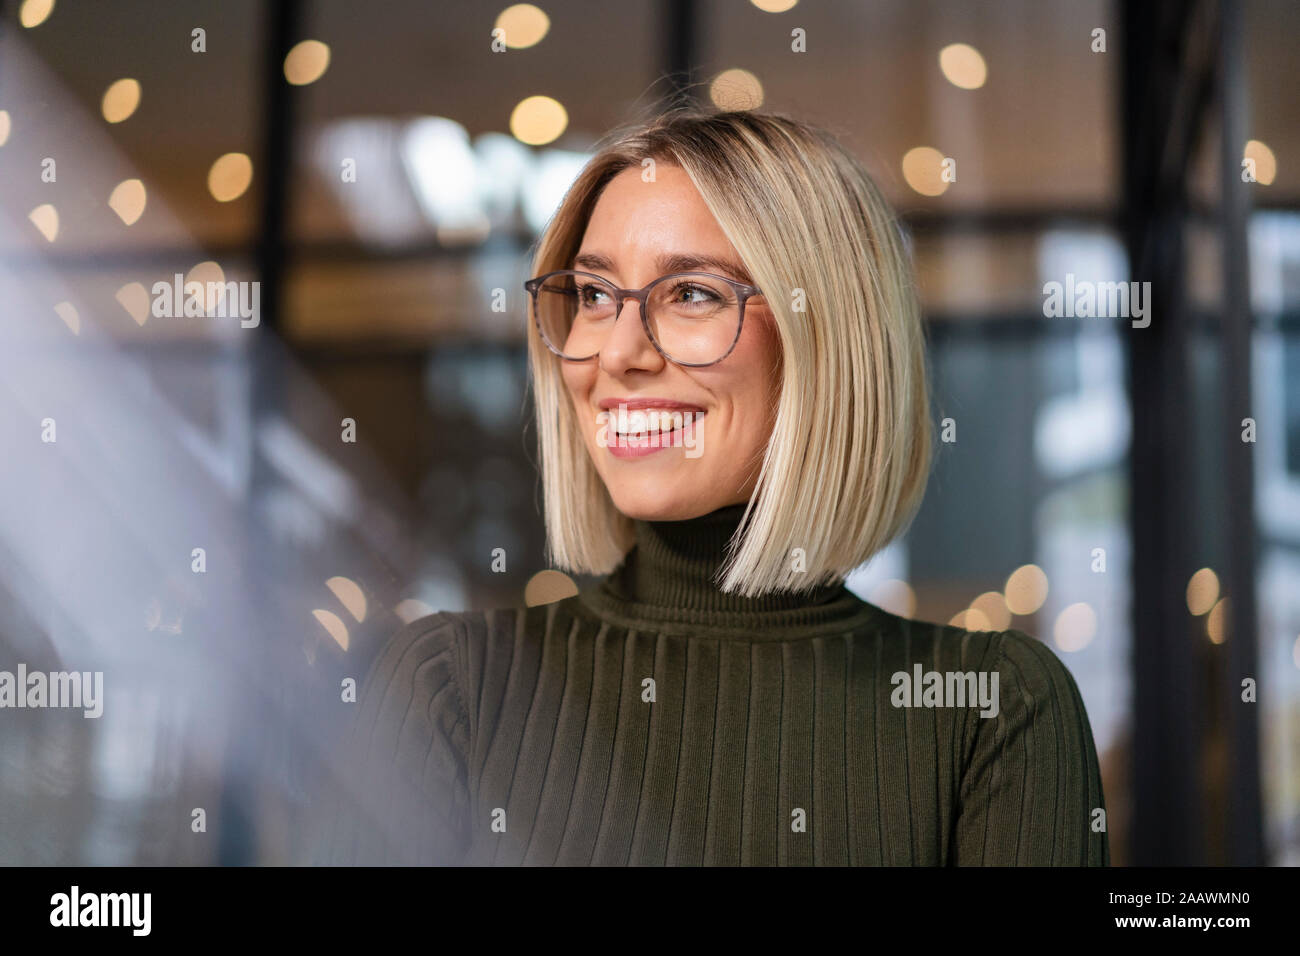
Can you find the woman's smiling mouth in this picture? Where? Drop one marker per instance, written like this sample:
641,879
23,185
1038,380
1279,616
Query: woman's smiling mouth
635,427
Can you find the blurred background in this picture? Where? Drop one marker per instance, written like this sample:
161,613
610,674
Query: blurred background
228,514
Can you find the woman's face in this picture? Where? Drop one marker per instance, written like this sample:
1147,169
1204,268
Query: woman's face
639,231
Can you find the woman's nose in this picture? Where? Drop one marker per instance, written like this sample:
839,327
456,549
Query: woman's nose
628,347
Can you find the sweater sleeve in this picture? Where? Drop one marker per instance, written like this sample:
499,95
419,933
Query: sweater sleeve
407,796
1031,787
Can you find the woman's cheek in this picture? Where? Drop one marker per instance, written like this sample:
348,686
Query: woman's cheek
577,381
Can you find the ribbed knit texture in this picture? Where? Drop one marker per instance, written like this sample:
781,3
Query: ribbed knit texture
527,736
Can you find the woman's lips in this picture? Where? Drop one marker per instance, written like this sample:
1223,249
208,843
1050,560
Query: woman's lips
646,402
640,445
634,428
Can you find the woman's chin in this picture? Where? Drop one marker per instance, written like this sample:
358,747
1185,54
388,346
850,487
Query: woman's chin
658,507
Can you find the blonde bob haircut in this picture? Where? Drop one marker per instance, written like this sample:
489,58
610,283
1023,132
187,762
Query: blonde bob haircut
849,456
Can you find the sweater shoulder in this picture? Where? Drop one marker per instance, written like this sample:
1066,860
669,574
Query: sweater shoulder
474,648
1041,678
1023,662
422,660
1039,697
946,644
458,634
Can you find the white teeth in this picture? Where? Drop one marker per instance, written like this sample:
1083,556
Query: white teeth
639,421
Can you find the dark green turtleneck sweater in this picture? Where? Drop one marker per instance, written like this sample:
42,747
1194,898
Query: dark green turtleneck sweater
773,732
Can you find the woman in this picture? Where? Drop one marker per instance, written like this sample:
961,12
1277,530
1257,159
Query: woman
732,410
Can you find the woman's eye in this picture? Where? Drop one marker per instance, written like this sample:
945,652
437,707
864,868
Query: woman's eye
590,294
691,294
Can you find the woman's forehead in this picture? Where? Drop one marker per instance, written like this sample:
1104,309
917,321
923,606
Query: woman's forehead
664,218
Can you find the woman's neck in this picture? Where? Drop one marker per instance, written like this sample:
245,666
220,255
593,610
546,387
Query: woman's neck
675,564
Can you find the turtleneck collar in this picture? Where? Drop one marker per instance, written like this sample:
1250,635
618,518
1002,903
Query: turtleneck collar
673,568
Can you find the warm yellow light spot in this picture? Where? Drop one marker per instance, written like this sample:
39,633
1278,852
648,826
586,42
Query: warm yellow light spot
135,299
538,120
35,12
5,126
524,25
963,66
895,596
774,6
350,595
1216,625
208,278
336,628
971,620
994,608
736,90
205,272
1075,627
547,587
1026,589
923,170
306,62
230,177
1202,591
68,313
46,219
128,200
412,610
1265,161
121,100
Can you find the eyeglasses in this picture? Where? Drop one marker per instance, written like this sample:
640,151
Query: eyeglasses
691,318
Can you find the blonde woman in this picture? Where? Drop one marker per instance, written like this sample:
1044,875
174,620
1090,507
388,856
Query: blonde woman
728,365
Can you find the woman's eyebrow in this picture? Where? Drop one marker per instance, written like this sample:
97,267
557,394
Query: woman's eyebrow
687,262
669,263
593,260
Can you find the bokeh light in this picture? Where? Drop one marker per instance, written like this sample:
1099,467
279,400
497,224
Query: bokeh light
230,177
71,318
1075,627
1202,591
121,99
334,625
350,595
736,89
923,170
46,219
306,62
538,120
1026,589
524,24
35,12
963,66
1265,161
971,620
1216,624
994,608
128,200
547,587
134,298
